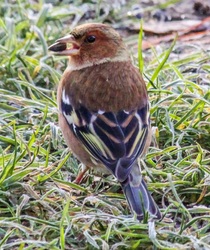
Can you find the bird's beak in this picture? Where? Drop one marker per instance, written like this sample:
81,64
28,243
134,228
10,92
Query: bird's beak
61,46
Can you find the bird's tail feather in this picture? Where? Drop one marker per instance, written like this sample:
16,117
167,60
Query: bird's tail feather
139,198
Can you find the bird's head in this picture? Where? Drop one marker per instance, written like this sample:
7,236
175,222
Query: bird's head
90,44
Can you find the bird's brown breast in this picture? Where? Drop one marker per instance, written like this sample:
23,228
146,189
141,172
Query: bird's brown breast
109,86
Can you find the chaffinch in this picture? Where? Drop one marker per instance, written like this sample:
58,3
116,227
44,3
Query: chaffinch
104,109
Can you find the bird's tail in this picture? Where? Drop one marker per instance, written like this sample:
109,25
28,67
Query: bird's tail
139,198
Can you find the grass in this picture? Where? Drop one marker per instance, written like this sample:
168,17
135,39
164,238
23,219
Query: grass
40,206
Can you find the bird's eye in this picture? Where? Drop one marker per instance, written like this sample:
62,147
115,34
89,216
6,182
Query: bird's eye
90,39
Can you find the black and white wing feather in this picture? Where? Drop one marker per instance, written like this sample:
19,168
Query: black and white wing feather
116,139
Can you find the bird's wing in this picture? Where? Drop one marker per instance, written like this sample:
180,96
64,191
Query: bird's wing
116,139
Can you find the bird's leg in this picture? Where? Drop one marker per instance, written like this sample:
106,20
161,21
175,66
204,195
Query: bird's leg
80,176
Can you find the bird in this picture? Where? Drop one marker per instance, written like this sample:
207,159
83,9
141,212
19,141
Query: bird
104,110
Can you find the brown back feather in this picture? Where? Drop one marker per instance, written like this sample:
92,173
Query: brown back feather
111,86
